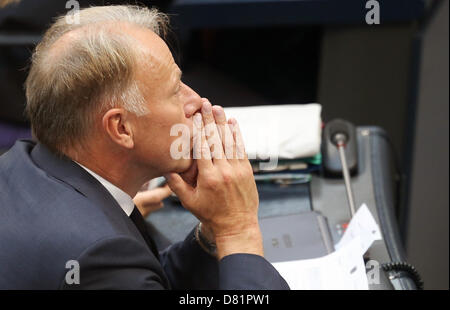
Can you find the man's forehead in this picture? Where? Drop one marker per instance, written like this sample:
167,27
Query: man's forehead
152,44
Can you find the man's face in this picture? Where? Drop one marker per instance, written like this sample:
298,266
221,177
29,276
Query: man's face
167,99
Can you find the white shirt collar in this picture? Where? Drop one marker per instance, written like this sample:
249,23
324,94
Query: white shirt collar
123,199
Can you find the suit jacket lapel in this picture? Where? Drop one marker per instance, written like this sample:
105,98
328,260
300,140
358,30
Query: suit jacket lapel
67,171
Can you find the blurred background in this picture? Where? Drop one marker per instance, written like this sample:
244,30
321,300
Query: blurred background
248,52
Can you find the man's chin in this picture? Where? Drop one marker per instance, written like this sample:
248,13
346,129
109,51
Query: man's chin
183,165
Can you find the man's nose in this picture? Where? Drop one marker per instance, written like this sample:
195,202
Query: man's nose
193,102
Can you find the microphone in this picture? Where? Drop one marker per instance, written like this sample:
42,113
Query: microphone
341,135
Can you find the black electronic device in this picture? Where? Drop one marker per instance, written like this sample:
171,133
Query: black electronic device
304,235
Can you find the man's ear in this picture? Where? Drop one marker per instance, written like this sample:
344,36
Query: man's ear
117,125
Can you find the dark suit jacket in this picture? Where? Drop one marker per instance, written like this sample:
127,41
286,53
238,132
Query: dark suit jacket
53,211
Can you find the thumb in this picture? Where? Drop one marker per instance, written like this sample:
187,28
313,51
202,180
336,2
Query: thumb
182,189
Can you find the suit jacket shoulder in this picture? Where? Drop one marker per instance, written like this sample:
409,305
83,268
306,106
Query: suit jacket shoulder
47,220
52,211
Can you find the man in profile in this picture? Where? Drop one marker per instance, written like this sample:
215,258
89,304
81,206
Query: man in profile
102,97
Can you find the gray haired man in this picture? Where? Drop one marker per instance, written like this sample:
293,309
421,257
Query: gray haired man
102,97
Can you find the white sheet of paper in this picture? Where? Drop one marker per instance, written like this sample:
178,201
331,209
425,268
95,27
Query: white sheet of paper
364,226
343,269
340,270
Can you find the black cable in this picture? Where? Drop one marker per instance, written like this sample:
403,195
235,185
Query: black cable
400,177
405,267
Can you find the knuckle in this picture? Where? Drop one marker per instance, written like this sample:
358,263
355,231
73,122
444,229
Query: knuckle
242,175
211,182
245,172
227,177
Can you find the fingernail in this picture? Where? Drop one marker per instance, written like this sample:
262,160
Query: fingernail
206,108
218,111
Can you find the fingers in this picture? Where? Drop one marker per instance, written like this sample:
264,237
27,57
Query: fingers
212,133
146,208
190,176
225,132
182,189
222,143
161,193
151,200
201,150
237,136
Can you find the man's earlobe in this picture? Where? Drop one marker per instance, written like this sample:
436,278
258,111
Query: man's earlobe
118,127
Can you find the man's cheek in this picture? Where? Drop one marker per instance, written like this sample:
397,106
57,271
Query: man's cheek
180,141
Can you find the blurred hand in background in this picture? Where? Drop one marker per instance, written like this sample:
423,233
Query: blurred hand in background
151,200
